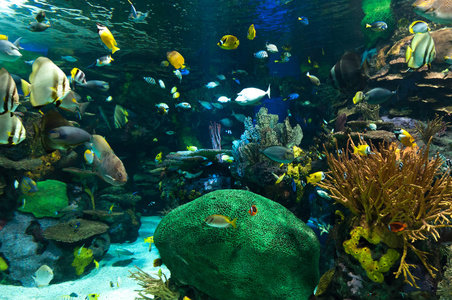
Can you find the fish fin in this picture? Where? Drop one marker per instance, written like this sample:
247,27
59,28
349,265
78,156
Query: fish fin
91,65
409,53
114,49
368,25
16,43
3,37
234,223
268,91
26,87
82,107
355,150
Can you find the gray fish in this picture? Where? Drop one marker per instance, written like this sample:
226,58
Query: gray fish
226,122
122,251
438,11
66,137
99,85
9,51
279,154
70,103
378,95
9,98
239,117
38,27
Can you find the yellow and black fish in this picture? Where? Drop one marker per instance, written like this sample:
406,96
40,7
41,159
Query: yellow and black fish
12,131
228,42
421,52
27,186
9,98
107,38
120,116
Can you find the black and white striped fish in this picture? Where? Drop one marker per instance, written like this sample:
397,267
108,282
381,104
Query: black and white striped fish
149,80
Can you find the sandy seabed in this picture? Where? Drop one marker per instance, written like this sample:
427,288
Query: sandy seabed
98,281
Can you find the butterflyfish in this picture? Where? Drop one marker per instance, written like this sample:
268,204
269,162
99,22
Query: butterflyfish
251,32
176,59
78,76
228,42
120,116
28,186
107,38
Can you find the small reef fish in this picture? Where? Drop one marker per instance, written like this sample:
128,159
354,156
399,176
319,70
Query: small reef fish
184,105
110,210
303,20
158,158
323,194
78,76
271,48
359,96
239,117
404,137
261,54
109,99
69,58
157,262
120,116
419,27
9,51
212,84
250,96
226,158
149,80
228,42
99,85
102,61
397,226
176,95
226,122
206,105
362,150
251,32
218,105
173,90
372,126
107,38
162,109
315,177
92,297
279,154
164,63
27,186
285,58
421,52
313,79
253,210
192,148
178,75
9,97
96,264
161,83
286,47
43,276
221,77
377,26
292,96
40,16
35,26
220,221
125,252
170,132
176,59
279,178
223,99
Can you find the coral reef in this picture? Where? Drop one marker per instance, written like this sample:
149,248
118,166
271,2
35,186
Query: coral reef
157,287
432,128
201,256
75,230
393,186
445,285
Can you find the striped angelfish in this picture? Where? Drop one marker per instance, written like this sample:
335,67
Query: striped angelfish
149,80
421,51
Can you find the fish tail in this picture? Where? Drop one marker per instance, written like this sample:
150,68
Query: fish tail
234,223
114,49
26,87
82,107
367,26
355,150
268,91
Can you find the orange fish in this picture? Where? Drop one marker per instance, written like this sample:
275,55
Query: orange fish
397,226
253,210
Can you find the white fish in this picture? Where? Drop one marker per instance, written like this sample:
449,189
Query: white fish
9,51
109,98
223,99
12,131
271,48
9,98
372,126
184,105
164,105
178,74
16,184
43,276
212,84
250,96
313,79
162,84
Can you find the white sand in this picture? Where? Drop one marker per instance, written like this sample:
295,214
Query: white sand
99,281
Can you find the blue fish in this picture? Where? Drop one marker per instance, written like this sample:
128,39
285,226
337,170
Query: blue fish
294,185
184,71
236,80
292,96
77,225
303,20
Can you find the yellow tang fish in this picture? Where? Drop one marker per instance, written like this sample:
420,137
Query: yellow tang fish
107,38
315,177
359,96
220,221
228,42
362,150
251,33
158,158
176,59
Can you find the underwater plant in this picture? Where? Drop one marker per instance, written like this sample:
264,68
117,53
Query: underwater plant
158,287
445,285
393,186
433,127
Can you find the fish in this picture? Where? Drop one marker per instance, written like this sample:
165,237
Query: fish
271,48
66,137
421,52
96,264
107,37
109,99
110,210
226,158
221,77
404,137
92,297
69,58
378,95
253,210
9,97
102,61
106,164
279,178
348,74
36,26
228,42
372,126
164,63
206,105
220,221
285,58
303,20
359,96
134,11
122,251
48,83
419,27
161,83
157,262
78,76
135,15
292,96
120,116
158,158
397,226
184,72
218,105
223,99
315,177
313,79
99,85
70,103
178,75
261,54
377,26
149,239
176,59
176,95
438,11
170,132
362,150
279,154
286,47
226,122
9,51
212,84
43,276
40,16
239,117
12,131
251,32
173,90
323,194
89,156
250,96
184,105
192,148
149,80
162,108
28,186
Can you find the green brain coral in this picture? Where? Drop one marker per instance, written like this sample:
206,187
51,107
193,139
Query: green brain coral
272,255
47,201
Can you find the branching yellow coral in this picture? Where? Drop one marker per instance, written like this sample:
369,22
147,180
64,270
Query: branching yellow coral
393,186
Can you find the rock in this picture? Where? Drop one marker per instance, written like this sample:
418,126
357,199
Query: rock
272,255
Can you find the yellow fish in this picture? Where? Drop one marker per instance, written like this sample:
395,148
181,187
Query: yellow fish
89,156
405,137
192,148
279,178
176,59
155,140
228,42
149,239
309,59
107,38
315,177
359,96
362,150
92,297
251,33
158,158
96,263
220,221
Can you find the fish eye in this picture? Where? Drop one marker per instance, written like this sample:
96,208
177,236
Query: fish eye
120,175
